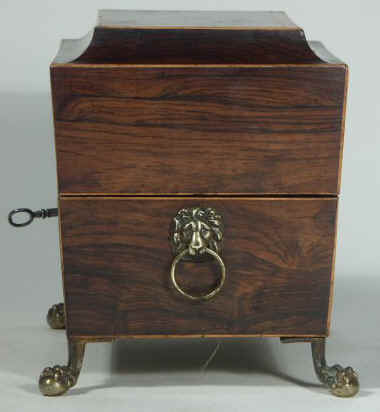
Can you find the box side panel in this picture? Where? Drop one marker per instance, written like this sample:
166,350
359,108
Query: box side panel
117,257
262,130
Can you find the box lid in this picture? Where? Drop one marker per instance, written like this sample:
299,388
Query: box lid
194,19
191,37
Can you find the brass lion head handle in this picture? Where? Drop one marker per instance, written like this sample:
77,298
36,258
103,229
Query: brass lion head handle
197,235
196,229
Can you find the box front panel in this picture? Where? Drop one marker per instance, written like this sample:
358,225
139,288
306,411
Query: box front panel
117,256
198,130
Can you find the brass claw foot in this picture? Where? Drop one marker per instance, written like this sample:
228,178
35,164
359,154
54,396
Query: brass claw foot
59,379
56,316
343,382
56,380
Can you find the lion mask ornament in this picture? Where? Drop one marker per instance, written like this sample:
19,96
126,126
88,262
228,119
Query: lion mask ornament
196,229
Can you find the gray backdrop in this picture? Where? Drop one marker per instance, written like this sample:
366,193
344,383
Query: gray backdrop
166,375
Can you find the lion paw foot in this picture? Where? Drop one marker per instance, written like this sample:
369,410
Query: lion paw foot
56,316
346,383
56,380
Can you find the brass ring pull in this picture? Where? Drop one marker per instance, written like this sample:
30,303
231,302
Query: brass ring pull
208,295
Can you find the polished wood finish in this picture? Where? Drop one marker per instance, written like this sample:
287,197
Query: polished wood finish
189,38
187,46
117,256
162,110
193,130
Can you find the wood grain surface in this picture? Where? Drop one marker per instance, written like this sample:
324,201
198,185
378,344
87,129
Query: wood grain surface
174,37
201,46
198,130
116,256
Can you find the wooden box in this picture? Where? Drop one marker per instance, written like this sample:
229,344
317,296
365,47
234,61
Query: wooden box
198,161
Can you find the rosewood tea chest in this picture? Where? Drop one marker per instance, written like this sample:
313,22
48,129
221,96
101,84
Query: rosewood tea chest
198,163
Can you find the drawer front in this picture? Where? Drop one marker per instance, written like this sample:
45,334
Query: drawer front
210,130
117,258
